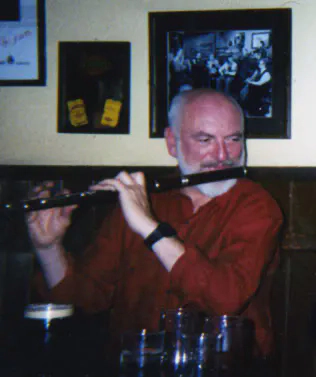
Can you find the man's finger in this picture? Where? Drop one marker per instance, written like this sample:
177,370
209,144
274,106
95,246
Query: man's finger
125,178
139,178
104,185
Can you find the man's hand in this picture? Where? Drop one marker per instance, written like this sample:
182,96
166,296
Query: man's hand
47,227
133,199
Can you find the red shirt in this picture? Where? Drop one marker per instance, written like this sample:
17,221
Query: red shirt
231,252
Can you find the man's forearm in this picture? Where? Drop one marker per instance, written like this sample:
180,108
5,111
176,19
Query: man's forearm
54,264
168,250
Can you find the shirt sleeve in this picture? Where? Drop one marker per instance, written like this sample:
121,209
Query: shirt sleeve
248,249
90,281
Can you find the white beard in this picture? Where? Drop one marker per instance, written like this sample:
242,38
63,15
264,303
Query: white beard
211,189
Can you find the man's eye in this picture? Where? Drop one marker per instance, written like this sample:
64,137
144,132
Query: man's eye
203,139
235,139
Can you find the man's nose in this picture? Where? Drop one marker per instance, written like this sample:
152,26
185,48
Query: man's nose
222,151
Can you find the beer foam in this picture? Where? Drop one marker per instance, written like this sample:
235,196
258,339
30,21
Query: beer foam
48,311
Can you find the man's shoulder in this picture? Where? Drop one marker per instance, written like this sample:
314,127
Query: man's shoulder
248,187
248,184
253,192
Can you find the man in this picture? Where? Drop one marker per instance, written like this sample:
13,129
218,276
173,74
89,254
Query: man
227,73
257,101
216,254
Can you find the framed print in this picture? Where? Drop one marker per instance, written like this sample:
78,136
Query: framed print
94,87
244,53
22,46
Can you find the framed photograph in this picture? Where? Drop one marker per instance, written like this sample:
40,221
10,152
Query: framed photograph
244,53
94,87
22,46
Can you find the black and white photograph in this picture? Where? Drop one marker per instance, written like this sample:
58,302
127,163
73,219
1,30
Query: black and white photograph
244,53
237,62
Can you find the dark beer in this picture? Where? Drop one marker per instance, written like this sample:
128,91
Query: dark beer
47,340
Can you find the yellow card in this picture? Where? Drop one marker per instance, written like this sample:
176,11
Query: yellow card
111,113
77,113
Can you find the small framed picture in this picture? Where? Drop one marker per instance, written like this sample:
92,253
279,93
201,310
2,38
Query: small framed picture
260,40
94,87
243,53
22,47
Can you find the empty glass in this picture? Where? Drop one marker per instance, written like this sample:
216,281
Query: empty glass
228,346
141,353
182,328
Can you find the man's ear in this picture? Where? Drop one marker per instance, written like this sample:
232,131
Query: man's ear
171,142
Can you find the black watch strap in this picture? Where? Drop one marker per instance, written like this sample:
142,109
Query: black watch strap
162,230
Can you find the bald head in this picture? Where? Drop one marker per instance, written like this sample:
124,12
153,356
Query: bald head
217,102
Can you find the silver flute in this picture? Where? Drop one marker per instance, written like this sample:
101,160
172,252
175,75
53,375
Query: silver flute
160,184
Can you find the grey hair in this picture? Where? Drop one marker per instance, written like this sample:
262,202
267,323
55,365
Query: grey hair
179,102
176,109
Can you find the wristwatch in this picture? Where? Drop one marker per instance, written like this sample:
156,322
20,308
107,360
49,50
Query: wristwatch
162,230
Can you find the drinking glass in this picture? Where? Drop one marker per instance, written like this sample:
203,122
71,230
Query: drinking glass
182,328
230,345
141,353
46,337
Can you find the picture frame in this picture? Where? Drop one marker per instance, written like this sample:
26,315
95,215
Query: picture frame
22,47
187,49
94,87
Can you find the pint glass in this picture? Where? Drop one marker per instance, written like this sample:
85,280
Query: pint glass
230,346
181,333
47,339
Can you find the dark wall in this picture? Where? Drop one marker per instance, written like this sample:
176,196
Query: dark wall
294,290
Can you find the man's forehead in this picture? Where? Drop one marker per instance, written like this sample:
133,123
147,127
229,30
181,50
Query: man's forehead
214,103
213,128
208,114
212,125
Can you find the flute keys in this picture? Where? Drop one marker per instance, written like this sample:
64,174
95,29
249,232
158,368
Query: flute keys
185,180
